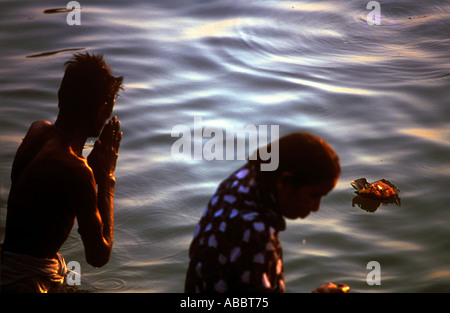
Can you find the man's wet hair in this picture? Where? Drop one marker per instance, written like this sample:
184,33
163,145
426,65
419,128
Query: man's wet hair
87,84
309,159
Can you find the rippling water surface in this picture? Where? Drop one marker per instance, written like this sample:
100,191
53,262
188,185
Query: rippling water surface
378,94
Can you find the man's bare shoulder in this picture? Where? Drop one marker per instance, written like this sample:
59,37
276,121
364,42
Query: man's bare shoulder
40,124
39,128
30,146
36,134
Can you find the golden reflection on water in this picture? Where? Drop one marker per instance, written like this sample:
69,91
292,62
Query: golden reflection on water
439,274
331,88
137,86
440,136
11,138
307,7
225,28
363,59
216,29
412,52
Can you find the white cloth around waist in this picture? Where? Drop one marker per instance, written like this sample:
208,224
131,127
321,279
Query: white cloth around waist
29,273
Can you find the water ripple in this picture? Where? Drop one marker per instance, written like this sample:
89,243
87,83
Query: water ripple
109,284
48,53
378,94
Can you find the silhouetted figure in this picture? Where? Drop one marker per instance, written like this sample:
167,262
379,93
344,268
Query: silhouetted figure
52,183
236,246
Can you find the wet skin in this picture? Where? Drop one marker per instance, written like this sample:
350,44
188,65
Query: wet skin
52,184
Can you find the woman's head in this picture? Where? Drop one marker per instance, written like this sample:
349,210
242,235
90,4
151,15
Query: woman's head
308,169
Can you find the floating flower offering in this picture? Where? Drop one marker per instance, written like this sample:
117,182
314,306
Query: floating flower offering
381,189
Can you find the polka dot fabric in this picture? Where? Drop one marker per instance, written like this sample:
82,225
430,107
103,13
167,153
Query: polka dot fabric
236,245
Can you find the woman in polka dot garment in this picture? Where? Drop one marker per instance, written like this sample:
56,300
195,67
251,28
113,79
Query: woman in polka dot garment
236,245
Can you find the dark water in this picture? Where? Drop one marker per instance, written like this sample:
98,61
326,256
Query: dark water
378,94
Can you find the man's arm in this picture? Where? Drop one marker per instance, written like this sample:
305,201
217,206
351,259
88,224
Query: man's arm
105,204
102,160
95,217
